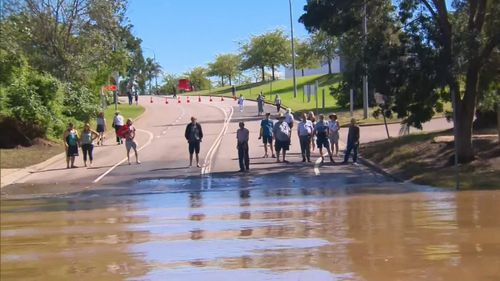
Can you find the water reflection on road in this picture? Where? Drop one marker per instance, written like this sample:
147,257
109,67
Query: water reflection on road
249,230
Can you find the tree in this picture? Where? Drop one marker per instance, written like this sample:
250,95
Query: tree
169,83
225,65
152,70
271,50
447,51
306,57
198,78
325,46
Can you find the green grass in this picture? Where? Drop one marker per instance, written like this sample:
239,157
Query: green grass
127,111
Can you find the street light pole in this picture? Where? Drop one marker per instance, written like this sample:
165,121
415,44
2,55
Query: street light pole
365,75
293,51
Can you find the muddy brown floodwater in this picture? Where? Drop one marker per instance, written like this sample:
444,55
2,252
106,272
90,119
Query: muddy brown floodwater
253,232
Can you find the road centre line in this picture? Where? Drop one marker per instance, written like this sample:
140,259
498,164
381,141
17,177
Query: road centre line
206,169
151,136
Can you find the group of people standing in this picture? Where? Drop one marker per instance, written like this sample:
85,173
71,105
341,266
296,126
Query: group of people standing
73,139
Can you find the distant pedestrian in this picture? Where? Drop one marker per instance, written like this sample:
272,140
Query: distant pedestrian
241,100
130,142
130,97
281,132
101,127
117,124
136,95
321,132
333,133
71,140
87,142
242,136
305,131
352,142
289,117
277,103
194,136
260,104
266,133
312,118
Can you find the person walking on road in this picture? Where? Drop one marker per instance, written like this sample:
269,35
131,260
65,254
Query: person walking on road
260,104
333,133
71,140
266,134
130,97
305,131
101,127
282,133
194,136
130,142
352,142
277,103
242,136
136,95
241,100
87,143
321,132
117,124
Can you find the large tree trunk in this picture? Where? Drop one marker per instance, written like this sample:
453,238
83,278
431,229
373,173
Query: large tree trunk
302,72
230,80
329,66
263,74
272,70
222,80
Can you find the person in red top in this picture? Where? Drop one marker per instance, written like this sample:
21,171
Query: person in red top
130,142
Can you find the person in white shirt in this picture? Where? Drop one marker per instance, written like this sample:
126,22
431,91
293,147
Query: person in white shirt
241,100
333,133
305,131
117,124
242,136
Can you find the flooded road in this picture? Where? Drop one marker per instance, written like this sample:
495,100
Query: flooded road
234,229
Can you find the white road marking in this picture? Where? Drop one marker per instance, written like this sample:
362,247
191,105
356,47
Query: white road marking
151,136
317,163
208,159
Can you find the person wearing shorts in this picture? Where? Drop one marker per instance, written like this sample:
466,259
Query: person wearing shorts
321,132
281,132
305,130
130,142
117,124
266,134
194,136
333,133
71,140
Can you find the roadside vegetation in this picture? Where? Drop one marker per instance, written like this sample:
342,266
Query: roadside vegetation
43,149
427,159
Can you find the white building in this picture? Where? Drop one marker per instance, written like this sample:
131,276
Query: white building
336,68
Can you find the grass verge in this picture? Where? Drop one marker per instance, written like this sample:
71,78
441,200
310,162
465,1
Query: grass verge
422,160
43,149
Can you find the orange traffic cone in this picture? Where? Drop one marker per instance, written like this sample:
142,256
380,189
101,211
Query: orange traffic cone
199,99
210,98
187,100
221,98
151,100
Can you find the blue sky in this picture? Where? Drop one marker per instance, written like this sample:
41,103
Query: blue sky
184,34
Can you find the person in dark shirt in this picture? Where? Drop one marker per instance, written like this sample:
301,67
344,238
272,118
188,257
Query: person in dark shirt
352,142
194,135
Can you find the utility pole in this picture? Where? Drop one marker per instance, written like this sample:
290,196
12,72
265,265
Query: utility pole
365,75
293,51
